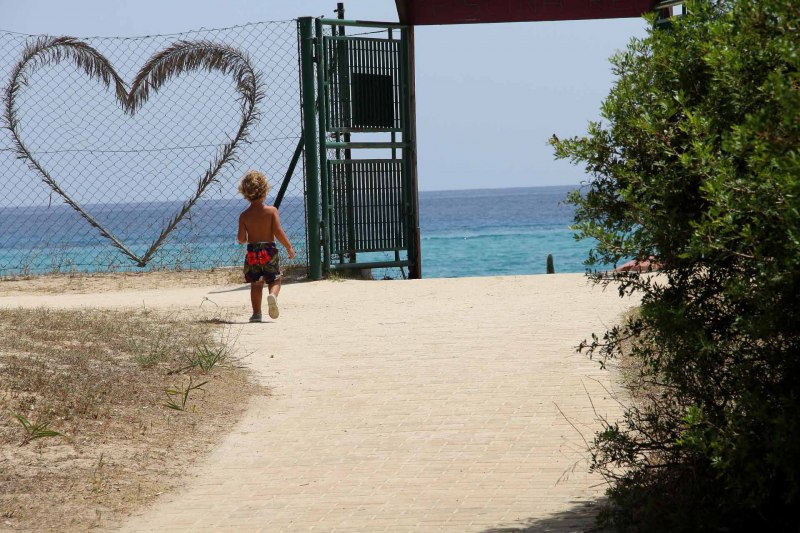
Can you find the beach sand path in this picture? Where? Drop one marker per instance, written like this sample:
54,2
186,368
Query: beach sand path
427,405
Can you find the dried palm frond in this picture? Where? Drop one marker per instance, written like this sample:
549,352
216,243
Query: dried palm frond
184,56
49,51
180,57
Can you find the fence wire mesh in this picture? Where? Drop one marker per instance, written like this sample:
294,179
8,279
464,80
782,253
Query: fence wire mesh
132,173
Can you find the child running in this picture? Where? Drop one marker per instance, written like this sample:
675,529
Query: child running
259,226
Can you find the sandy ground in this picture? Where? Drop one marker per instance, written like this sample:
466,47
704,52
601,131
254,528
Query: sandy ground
118,281
429,405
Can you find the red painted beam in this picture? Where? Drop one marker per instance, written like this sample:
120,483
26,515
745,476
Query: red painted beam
422,12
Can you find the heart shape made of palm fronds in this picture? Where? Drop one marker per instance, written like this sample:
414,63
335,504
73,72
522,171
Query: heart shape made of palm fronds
180,57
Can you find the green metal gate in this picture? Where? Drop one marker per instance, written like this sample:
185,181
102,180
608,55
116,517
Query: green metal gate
359,146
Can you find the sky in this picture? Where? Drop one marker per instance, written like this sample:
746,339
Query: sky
489,96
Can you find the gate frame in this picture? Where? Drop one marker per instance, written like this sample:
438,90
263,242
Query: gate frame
316,145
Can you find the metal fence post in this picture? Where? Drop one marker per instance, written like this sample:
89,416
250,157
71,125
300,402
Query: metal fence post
414,247
322,110
310,140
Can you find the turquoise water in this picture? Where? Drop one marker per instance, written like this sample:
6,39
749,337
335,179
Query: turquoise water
464,233
45,239
493,232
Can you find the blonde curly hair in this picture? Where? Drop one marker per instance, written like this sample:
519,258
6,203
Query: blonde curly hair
254,186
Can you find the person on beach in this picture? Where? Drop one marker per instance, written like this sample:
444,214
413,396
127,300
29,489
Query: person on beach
259,226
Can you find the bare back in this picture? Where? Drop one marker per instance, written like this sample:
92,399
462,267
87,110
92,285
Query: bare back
260,223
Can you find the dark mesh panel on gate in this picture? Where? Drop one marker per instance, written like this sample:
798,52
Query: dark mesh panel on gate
367,205
372,101
364,87
132,173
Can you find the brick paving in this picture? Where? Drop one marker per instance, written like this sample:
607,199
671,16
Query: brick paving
432,405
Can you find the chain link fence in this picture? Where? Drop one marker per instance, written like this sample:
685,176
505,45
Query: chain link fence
132,172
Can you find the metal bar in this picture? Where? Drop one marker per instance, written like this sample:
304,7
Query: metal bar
373,226
361,215
336,104
352,38
322,87
359,161
333,113
375,205
338,238
310,143
396,75
377,201
387,223
409,160
374,198
398,208
386,197
367,226
331,207
351,212
337,222
369,221
361,23
380,69
342,129
333,144
374,264
289,172
359,58
373,52
334,214
413,245
391,73
347,119
343,66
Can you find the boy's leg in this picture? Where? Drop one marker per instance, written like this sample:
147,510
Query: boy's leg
275,287
256,293
272,301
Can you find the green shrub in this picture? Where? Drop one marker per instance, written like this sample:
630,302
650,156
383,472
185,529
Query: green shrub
697,164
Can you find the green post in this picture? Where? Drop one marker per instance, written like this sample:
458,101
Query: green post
322,110
409,154
414,249
310,140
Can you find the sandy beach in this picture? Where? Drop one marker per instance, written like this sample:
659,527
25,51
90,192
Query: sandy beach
426,405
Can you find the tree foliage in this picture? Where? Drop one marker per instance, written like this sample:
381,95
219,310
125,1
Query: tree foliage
697,164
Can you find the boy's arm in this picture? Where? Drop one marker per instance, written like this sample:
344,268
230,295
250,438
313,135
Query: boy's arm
242,235
281,236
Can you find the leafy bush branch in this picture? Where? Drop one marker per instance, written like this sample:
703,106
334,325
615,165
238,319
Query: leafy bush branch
696,168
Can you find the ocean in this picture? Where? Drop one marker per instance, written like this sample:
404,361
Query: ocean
464,233
491,232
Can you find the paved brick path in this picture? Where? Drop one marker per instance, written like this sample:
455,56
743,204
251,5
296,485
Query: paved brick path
429,405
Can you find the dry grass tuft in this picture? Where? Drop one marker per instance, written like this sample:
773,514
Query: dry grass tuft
100,378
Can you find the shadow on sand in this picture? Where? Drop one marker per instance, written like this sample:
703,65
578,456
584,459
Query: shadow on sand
240,288
578,518
289,278
223,321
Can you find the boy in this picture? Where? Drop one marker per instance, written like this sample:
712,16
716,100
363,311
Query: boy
259,226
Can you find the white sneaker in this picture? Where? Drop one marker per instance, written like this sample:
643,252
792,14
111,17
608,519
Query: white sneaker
272,302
